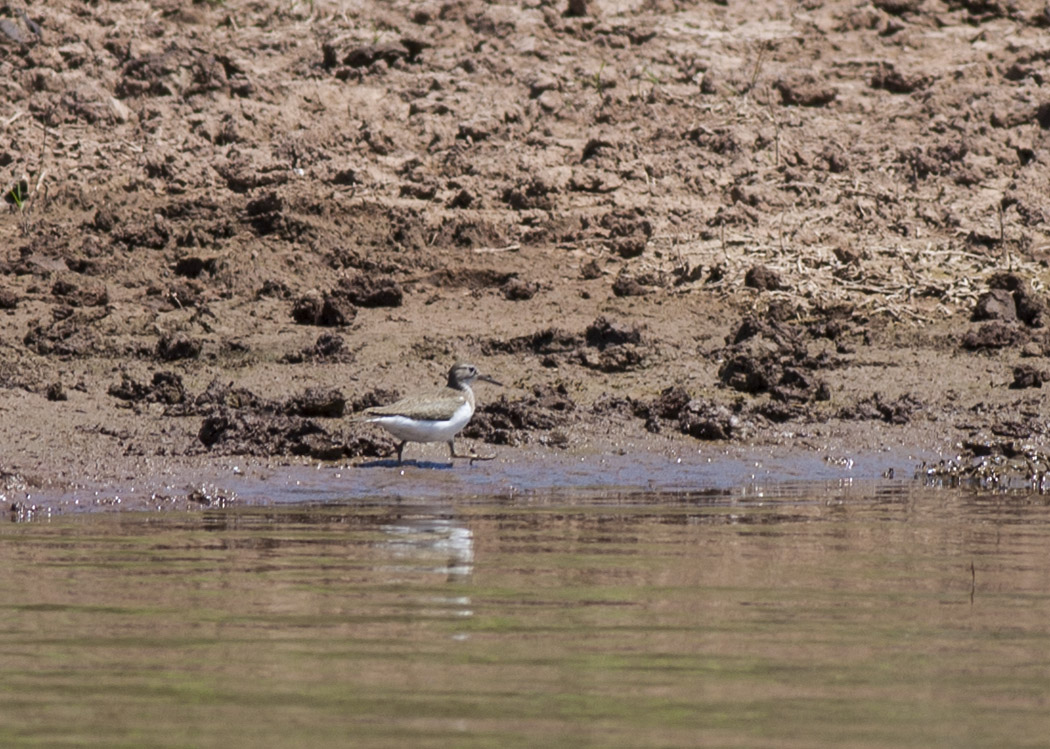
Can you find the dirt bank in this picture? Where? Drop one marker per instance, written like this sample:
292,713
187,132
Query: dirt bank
231,224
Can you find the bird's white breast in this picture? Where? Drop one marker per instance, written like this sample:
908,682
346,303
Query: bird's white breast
426,430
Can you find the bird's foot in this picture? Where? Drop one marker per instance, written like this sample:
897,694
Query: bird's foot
473,457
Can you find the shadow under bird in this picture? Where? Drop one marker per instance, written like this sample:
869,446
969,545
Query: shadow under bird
437,417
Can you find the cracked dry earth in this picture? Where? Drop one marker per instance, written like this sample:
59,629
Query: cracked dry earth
230,224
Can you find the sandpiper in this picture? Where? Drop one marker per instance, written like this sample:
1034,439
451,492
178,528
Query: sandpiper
433,418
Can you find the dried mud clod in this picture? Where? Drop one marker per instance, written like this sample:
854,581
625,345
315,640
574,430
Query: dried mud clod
545,342
875,408
629,233
70,333
511,422
370,446
327,404
80,291
237,422
699,418
614,347
1011,313
332,309
328,347
367,290
232,432
8,298
374,398
763,278
165,387
517,290
889,78
995,335
772,357
605,345
174,347
806,91
1027,376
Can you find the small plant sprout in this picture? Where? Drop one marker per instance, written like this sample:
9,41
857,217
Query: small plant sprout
18,197
654,81
763,48
596,81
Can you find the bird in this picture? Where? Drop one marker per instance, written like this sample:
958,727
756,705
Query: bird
437,417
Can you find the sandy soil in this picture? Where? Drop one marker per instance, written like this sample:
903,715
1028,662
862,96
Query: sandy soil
231,224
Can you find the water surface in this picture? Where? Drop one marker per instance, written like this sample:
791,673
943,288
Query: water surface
862,614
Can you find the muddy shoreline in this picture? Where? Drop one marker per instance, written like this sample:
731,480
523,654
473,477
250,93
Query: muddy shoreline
665,226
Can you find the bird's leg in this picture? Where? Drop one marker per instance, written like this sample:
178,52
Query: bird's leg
471,458
400,449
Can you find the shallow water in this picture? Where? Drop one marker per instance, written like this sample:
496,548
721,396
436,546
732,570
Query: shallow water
831,614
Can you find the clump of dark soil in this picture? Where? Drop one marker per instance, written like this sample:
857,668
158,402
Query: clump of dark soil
330,309
510,422
234,432
327,404
366,290
1031,309
629,233
773,357
605,345
171,348
80,291
806,91
373,398
763,278
995,335
1028,376
69,333
875,408
698,418
547,343
8,298
613,346
236,421
706,420
328,347
629,284
165,387
517,290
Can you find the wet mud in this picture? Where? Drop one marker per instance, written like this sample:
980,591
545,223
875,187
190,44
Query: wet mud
228,228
